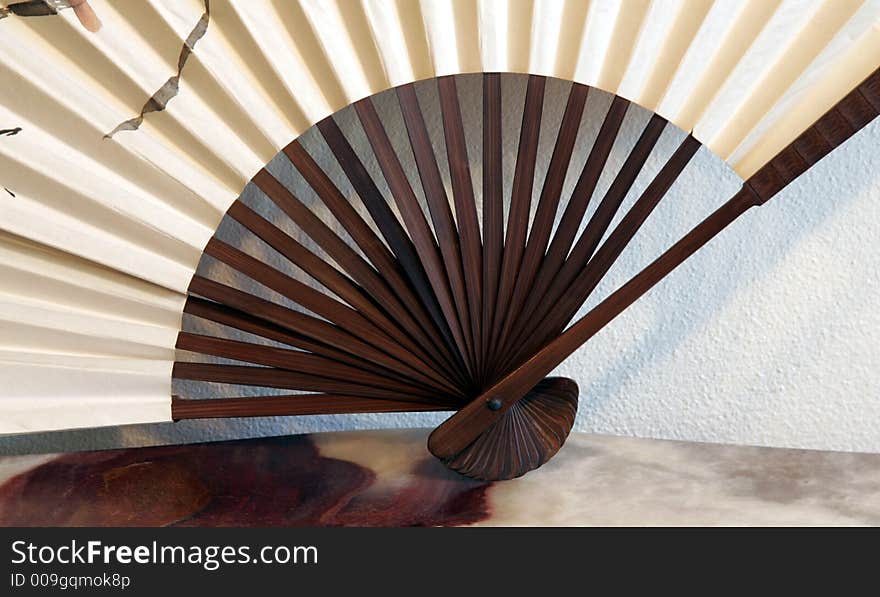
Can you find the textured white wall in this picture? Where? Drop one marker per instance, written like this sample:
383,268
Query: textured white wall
770,335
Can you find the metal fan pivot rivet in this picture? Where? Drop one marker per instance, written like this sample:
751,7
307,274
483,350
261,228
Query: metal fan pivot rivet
494,403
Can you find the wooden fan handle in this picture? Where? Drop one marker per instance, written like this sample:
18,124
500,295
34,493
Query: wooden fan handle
464,427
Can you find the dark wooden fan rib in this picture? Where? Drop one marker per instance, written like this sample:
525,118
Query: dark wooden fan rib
239,320
548,204
288,405
465,209
441,214
493,204
268,377
298,362
577,205
265,328
310,333
346,319
520,202
414,219
401,245
359,269
570,291
382,259
328,276
856,110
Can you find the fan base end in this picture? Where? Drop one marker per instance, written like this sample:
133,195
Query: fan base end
525,437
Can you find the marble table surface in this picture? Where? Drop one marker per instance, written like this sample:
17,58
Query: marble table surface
387,478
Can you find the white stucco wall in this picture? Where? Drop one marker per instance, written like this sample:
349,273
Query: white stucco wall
770,335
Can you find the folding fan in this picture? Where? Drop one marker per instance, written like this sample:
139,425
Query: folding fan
130,130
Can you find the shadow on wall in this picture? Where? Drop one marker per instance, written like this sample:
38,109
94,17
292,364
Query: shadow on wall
767,296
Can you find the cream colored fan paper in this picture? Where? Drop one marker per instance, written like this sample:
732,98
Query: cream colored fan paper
107,201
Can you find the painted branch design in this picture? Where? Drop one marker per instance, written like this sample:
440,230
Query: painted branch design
171,87
10,133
